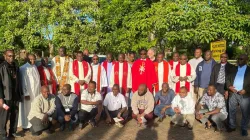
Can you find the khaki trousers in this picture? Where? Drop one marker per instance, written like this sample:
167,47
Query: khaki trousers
182,118
201,92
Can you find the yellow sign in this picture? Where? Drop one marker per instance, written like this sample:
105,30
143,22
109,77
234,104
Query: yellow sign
218,48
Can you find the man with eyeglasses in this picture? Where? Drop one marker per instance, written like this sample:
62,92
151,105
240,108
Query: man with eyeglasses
238,85
220,72
10,95
143,72
183,75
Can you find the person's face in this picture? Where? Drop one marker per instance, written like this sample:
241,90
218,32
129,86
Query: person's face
207,56
211,91
95,60
79,57
150,54
65,90
45,62
91,88
121,58
62,52
183,60
242,60
115,90
109,58
223,58
32,59
131,57
143,54
159,58
45,92
183,93
9,56
165,88
86,52
142,90
176,57
197,53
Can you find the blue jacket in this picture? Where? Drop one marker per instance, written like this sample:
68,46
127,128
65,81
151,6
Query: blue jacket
198,72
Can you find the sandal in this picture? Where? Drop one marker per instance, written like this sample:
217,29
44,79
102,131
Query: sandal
208,125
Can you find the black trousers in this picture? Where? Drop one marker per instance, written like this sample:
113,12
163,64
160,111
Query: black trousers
220,88
85,116
10,114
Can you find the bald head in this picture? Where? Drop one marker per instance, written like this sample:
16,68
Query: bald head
45,91
142,90
116,89
31,59
208,55
95,59
165,87
151,53
183,59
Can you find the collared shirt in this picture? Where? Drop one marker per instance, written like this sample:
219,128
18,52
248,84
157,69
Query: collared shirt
239,78
165,99
114,103
186,104
85,95
194,62
217,101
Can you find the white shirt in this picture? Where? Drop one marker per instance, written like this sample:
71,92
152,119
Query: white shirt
175,63
103,78
114,103
85,95
47,73
186,105
194,62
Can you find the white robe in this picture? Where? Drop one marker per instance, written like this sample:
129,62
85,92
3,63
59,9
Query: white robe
74,79
109,69
191,78
53,66
31,87
103,79
161,75
129,78
47,73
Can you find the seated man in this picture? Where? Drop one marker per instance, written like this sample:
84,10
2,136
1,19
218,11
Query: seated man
184,107
66,107
216,111
165,96
115,106
142,105
91,105
42,109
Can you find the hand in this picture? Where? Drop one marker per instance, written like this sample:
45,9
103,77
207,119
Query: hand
81,82
49,82
108,119
232,88
128,90
97,117
45,119
177,110
242,92
1,103
163,110
181,79
139,118
185,78
226,95
42,82
197,116
27,97
119,115
67,118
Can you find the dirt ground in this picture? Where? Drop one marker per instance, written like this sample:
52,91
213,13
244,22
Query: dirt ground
159,131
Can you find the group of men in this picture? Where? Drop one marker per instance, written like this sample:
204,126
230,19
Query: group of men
82,90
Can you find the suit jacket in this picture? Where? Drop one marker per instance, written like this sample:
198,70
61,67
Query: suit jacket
229,68
7,89
246,85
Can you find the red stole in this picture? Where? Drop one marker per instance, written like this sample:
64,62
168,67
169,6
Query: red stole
124,76
177,73
165,74
98,84
76,73
45,80
105,65
171,63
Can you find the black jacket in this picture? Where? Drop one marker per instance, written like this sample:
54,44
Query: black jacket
229,68
246,85
6,86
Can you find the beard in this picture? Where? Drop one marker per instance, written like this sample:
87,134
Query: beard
143,93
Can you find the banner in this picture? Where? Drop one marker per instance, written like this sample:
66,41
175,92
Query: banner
218,48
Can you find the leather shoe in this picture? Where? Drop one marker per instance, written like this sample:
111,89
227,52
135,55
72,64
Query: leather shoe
244,133
16,135
229,130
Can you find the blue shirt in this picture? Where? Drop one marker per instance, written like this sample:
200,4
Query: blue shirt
167,99
205,75
239,78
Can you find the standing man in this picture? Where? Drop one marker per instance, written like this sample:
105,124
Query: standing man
86,56
197,58
80,74
163,71
31,89
203,71
60,66
108,64
183,75
176,58
99,75
151,54
220,72
121,75
239,89
143,72
10,95
47,76
131,58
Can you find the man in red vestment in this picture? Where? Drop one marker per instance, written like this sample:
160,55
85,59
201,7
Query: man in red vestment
143,72
46,75
108,64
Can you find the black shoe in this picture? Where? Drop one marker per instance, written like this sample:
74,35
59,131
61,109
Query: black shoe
244,133
16,135
62,127
229,130
93,123
49,131
172,124
36,134
4,138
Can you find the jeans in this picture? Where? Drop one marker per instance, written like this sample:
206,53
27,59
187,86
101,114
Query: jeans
85,116
244,103
72,121
216,118
158,108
